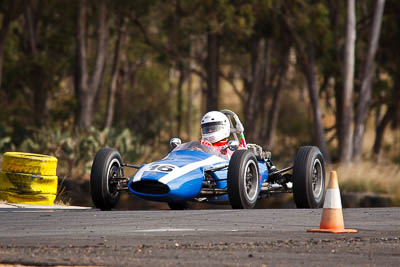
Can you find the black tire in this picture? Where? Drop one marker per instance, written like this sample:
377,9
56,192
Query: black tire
179,205
309,178
106,164
243,189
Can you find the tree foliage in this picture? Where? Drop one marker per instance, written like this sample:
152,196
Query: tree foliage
279,64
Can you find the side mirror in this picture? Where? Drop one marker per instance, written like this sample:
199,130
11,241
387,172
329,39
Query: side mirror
233,145
174,142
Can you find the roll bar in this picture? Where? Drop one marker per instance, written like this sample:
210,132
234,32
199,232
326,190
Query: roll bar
237,128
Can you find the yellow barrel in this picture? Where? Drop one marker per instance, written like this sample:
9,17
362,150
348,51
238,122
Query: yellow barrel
37,199
28,183
29,163
28,178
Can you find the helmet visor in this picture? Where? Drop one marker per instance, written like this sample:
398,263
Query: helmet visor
211,127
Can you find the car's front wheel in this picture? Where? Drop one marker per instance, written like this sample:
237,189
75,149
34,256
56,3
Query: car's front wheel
103,185
309,178
243,180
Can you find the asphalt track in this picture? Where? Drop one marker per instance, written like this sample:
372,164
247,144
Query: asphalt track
266,237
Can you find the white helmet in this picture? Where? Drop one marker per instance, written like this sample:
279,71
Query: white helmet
215,127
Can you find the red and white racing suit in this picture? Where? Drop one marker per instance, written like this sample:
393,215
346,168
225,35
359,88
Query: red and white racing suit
221,146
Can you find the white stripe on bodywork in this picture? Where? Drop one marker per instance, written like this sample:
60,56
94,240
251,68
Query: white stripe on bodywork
190,167
332,199
140,172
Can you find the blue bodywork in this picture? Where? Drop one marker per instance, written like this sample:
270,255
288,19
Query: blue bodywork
180,175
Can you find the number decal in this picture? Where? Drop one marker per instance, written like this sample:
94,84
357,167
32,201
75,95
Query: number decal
154,167
162,168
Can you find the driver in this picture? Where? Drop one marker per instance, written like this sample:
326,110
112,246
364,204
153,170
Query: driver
215,130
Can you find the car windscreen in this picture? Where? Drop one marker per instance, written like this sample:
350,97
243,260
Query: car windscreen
197,146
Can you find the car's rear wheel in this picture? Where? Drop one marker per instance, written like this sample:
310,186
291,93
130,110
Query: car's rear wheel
103,185
243,180
309,178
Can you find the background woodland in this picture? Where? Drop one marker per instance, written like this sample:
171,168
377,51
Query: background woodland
79,75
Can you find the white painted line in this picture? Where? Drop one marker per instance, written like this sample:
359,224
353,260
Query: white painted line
159,230
166,230
48,207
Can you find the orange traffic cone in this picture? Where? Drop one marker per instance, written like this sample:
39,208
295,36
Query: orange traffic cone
332,216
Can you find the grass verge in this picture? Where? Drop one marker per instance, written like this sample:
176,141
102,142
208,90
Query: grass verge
368,177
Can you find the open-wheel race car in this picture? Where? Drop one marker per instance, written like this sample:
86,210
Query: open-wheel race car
195,171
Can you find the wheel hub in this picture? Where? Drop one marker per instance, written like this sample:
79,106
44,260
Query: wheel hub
112,175
317,184
251,180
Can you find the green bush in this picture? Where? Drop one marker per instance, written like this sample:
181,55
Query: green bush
76,150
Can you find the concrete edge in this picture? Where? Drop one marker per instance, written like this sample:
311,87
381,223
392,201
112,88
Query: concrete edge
30,206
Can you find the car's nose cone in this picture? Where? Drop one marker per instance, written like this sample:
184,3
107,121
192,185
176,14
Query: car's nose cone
151,187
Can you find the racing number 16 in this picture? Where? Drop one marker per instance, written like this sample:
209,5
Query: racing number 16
162,168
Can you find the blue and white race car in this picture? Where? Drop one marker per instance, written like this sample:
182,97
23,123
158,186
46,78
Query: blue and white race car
194,171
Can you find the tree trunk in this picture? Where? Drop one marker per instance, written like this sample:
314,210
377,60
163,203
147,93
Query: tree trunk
345,137
273,114
179,99
310,73
114,75
82,75
88,85
257,78
363,105
389,116
30,25
171,105
212,67
335,8
380,131
267,85
5,25
307,59
40,92
189,100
